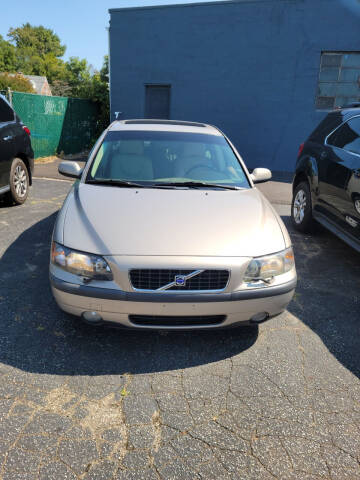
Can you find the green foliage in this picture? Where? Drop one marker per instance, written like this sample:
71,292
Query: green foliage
95,87
7,56
100,94
61,88
36,50
78,81
104,72
77,75
36,41
16,82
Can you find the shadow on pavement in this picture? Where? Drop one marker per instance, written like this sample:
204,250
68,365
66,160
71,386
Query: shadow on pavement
35,336
327,298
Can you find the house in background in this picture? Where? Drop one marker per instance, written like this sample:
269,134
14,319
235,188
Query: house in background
40,84
264,71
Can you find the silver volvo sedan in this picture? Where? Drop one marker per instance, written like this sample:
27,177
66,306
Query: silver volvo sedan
165,229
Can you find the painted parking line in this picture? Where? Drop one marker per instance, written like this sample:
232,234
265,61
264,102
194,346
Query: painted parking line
52,179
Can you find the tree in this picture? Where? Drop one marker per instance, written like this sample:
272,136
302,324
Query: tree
104,72
100,94
7,56
61,88
36,41
38,51
16,82
94,86
77,75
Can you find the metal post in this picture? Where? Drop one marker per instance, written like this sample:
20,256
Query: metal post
9,92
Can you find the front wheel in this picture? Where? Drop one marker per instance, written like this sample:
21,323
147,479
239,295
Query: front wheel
19,182
301,208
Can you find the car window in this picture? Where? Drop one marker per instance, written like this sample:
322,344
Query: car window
330,122
347,136
168,157
97,161
6,113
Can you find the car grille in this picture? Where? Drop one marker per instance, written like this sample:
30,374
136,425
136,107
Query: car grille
152,280
172,321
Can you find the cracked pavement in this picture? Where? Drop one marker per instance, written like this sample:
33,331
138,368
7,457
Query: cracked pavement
281,401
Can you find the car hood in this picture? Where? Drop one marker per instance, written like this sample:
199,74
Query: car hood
192,222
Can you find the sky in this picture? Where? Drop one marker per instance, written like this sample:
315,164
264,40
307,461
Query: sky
80,24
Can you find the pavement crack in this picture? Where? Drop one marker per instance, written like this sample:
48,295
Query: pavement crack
258,459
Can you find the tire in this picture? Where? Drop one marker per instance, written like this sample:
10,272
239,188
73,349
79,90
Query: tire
356,200
301,208
19,182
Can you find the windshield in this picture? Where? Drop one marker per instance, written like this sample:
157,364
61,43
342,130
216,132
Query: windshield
165,158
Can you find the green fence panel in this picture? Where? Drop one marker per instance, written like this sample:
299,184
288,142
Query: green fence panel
80,125
57,124
45,117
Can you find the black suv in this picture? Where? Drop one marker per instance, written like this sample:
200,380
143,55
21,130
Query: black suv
16,155
326,185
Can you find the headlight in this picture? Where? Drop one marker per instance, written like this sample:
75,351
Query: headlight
265,268
85,265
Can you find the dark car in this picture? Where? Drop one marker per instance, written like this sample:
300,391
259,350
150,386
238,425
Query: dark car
16,155
326,186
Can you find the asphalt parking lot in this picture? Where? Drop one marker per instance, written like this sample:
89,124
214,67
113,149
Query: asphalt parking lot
278,402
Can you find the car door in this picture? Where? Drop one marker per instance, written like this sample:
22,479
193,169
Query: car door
351,195
341,189
7,144
353,214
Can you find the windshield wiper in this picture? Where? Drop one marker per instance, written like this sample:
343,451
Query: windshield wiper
126,183
116,183
196,185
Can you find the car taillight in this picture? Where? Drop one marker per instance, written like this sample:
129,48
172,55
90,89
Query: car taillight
26,130
301,148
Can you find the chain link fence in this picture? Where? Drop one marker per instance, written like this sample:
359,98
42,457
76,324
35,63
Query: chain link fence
57,124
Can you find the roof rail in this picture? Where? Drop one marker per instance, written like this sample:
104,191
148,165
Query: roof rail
163,122
349,105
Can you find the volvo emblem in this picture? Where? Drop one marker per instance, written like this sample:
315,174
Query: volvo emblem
180,280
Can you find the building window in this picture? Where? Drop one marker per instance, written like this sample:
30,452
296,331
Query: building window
339,80
157,101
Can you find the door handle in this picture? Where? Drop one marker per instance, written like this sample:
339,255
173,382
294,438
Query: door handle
9,137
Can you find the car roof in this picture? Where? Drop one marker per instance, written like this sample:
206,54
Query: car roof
332,121
164,126
349,112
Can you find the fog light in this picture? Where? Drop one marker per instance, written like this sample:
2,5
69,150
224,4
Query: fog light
92,317
260,317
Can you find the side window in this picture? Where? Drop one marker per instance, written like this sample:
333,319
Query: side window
347,136
6,113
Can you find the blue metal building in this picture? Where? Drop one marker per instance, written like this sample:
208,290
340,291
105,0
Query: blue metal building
264,71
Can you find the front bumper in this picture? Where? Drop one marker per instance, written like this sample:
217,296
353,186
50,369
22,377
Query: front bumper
116,305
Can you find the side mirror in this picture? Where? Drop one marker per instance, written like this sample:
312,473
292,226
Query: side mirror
70,169
261,175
